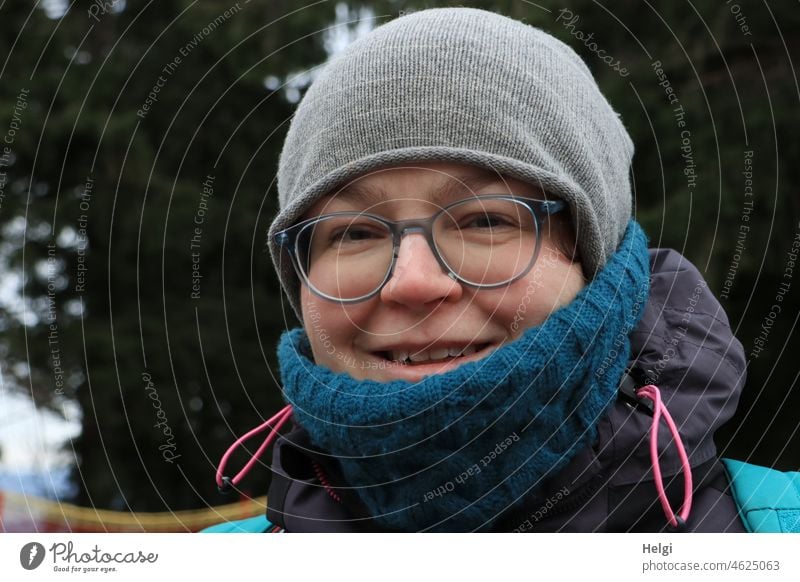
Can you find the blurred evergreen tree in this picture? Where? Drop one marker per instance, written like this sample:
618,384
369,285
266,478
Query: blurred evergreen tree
125,311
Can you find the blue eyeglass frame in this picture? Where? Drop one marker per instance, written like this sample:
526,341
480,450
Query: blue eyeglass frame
287,240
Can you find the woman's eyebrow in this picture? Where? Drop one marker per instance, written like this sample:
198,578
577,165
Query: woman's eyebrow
455,186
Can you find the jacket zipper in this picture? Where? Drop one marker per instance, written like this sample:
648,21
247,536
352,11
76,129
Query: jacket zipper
576,499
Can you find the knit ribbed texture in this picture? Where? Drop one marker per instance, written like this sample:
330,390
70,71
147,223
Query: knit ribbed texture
469,86
399,442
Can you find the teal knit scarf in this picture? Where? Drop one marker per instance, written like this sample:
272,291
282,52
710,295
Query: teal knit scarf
451,452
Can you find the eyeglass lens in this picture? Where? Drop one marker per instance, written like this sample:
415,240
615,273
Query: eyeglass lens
484,242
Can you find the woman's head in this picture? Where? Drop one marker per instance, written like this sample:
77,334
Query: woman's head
424,319
419,101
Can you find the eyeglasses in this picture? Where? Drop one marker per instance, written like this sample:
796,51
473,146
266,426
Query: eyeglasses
485,241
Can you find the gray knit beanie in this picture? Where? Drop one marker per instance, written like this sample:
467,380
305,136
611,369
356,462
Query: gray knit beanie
468,86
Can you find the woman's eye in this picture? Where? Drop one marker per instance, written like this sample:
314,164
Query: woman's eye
353,234
486,221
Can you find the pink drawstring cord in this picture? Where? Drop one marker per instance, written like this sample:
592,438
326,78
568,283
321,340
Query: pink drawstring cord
225,483
676,521
650,391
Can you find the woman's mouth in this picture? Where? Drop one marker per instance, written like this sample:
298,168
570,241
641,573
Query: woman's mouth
414,362
430,356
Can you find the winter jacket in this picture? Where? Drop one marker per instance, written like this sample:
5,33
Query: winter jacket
683,344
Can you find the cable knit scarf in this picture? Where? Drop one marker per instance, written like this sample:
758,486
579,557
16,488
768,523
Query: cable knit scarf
451,452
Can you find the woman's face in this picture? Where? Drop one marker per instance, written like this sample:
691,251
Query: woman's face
422,313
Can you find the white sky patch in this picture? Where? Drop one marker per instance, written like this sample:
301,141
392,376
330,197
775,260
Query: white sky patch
67,238
30,438
54,9
348,26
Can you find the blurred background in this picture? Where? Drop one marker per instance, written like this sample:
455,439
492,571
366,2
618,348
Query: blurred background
138,308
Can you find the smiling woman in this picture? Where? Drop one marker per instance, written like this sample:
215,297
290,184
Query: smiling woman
480,310
428,296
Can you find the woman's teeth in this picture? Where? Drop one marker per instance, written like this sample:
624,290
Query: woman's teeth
432,355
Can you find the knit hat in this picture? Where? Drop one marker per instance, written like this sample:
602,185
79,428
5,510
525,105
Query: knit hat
467,86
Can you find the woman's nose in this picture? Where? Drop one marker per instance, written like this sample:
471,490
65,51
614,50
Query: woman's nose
418,279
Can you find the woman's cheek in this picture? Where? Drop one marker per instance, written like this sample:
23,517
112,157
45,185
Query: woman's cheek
332,327
530,301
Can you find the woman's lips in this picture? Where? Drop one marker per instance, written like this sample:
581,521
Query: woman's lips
431,355
410,370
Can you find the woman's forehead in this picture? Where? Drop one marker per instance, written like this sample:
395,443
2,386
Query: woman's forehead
434,183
